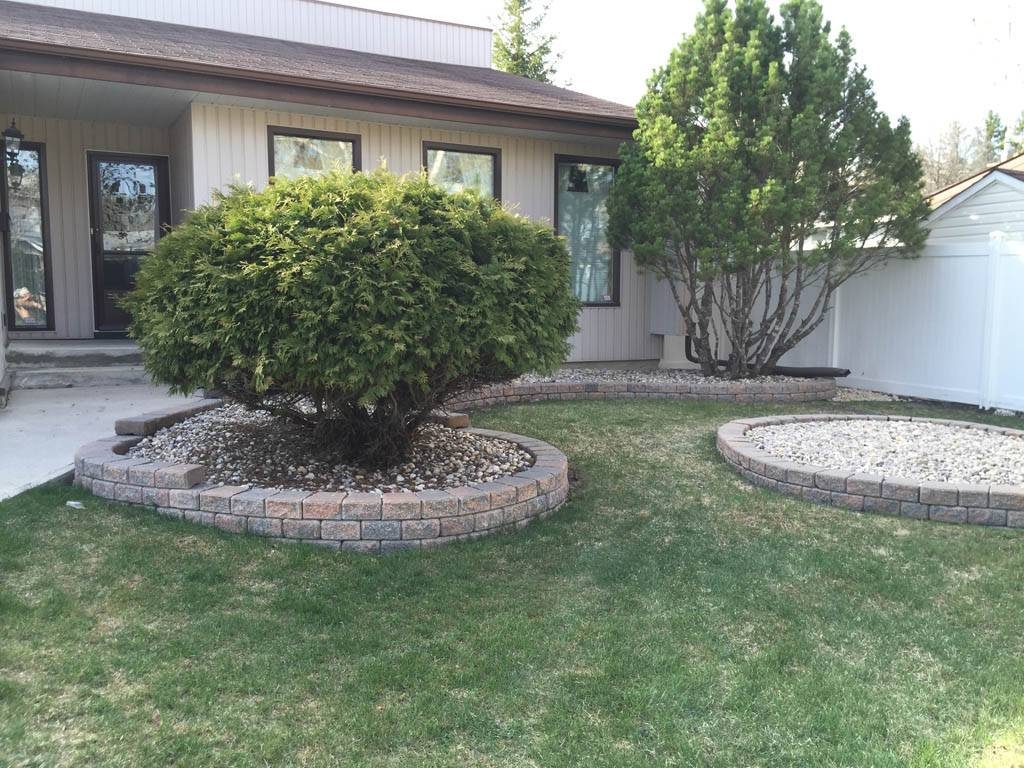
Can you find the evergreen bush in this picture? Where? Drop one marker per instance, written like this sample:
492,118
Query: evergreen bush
353,304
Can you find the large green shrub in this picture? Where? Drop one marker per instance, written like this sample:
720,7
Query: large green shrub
352,303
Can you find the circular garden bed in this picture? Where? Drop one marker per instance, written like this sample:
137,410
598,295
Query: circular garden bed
938,469
505,482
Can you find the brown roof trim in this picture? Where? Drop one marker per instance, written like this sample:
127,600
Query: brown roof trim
142,70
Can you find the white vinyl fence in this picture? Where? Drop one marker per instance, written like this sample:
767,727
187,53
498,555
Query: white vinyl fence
948,326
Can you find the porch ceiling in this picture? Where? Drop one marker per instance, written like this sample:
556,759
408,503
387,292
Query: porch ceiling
71,98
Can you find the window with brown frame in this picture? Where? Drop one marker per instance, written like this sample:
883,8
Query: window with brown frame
29,286
294,152
459,167
582,185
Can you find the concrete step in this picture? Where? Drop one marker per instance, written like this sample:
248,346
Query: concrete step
35,377
73,354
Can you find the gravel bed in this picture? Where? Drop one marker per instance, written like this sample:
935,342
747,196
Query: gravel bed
905,449
637,376
238,446
853,395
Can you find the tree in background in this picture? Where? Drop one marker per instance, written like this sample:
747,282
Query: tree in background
1015,143
989,142
947,161
954,158
762,177
519,46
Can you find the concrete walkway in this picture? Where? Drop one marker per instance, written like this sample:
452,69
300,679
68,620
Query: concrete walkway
40,429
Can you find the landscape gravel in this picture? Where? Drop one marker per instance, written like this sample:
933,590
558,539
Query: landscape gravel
905,449
854,395
635,376
238,447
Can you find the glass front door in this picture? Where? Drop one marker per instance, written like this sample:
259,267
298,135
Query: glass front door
130,209
582,186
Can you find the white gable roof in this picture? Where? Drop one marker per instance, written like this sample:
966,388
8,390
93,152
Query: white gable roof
994,203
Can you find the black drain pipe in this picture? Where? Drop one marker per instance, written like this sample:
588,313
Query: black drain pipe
801,372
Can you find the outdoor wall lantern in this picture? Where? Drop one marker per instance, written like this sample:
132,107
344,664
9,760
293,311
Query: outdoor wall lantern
12,143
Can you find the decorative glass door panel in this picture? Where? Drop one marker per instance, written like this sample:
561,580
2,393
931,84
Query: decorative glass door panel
129,213
26,242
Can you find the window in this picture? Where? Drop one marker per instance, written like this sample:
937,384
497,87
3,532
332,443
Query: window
581,216
456,167
297,152
26,243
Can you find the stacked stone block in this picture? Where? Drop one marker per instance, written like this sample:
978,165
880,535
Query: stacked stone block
362,522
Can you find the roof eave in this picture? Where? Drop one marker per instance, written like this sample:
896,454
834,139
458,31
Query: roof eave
68,61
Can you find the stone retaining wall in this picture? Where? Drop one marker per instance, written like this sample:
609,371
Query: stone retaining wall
999,505
363,522
732,391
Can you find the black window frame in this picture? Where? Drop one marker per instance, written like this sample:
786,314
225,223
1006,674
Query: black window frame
468,149
310,133
44,202
616,268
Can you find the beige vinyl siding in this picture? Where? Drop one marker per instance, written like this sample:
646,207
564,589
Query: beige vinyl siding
311,21
181,181
230,146
67,142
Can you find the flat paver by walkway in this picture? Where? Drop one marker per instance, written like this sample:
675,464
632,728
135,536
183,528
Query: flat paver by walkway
41,428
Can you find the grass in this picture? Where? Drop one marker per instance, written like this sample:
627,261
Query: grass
669,615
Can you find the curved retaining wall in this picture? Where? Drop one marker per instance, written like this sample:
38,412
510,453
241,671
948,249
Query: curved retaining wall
979,504
731,391
363,522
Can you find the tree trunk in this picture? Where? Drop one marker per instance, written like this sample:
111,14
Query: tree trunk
759,339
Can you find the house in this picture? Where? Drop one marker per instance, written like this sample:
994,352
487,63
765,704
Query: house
131,112
944,326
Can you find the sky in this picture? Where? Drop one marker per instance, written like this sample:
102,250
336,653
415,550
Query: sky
934,62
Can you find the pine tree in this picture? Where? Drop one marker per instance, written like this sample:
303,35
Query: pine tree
1015,143
763,175
989,142
519,46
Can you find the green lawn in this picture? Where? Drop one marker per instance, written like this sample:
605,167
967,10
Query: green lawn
669,614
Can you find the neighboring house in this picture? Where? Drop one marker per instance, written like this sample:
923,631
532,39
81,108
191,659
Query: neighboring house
134,111
1012,166
945,326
